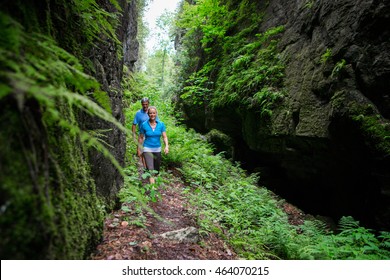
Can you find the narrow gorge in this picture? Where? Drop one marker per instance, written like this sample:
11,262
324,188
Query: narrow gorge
296,91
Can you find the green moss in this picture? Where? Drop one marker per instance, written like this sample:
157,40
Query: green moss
235,67
103,99
49,208
221,141
252,73
375,129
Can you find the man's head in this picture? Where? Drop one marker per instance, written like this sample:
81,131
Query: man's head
145,103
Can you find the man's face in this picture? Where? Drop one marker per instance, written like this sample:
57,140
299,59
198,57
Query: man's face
145,106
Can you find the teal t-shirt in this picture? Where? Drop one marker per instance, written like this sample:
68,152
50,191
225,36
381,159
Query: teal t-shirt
140,117
152,137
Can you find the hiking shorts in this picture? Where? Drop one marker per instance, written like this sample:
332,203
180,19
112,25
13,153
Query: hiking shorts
152,160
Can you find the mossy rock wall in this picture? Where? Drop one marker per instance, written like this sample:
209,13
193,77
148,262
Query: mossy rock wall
49,206
54,187
323,128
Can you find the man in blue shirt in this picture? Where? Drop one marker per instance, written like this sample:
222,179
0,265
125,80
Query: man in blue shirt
140,116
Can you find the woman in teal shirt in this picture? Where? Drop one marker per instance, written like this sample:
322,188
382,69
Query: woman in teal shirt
149,141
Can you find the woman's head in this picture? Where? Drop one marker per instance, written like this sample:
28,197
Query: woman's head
152,111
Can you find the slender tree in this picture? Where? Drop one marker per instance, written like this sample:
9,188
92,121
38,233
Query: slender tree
165,38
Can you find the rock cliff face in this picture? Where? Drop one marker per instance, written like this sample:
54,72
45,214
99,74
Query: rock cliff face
109,73
55,188
321,150
130,42
326,145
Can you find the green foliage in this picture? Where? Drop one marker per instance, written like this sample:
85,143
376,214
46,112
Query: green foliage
252,75
241,67
95,20
51,209
228,202
309,4
326,56
208,16
165,34
134,88
103,100
135,195
376,130
51,76
338,67
198,87
353,242
75,25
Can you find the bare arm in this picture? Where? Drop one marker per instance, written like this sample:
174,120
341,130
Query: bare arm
165,138
140,143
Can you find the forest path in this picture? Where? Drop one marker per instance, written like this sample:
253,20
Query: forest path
125,241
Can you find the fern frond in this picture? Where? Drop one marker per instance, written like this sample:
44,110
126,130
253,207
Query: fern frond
52,76
347,223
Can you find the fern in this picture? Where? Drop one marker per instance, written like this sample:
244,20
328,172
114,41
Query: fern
384,237
96,21
348,223
254,77
338,67
51,76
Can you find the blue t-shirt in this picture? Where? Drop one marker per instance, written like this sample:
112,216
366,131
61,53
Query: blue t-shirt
140,117
152,137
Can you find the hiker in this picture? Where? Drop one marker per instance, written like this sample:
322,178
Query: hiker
149,141
140,116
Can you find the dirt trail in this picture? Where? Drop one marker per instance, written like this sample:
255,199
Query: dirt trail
122,241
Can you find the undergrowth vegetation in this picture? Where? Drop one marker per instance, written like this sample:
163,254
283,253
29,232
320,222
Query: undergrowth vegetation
229,67
227,201
225,61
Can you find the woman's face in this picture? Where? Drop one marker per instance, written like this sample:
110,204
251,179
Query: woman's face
152,114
